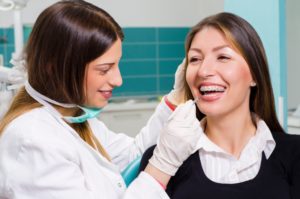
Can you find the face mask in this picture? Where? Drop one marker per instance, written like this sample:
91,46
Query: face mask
88,112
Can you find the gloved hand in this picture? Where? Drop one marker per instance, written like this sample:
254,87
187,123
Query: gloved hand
178,139
177,94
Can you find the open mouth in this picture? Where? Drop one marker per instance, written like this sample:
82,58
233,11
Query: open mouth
210,90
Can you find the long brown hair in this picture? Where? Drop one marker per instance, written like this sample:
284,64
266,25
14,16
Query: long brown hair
65,38
245,39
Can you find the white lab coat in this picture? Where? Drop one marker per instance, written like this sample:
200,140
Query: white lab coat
41,157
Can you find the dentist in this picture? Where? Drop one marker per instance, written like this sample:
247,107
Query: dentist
51,144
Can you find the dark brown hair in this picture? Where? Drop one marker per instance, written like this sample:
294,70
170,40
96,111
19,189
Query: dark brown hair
65,38
247,42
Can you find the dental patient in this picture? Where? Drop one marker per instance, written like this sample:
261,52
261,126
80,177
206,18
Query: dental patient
243,152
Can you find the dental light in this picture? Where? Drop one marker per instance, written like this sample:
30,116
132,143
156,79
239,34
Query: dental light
6,5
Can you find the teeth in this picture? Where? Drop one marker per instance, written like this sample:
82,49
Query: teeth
212,88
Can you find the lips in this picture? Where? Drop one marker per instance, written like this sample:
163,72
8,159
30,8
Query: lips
106,94
211,91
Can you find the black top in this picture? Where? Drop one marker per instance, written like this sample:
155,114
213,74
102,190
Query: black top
278,177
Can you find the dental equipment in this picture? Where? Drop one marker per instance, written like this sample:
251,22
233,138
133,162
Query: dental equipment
12,78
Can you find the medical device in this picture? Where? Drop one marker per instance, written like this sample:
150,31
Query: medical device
12,78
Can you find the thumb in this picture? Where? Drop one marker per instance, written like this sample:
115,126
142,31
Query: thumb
183,110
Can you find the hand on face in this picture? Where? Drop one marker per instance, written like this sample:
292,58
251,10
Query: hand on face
177,94
178,140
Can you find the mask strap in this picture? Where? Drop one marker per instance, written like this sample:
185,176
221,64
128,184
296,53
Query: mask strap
43,100
88,112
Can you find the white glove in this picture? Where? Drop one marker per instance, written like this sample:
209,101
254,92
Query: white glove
177,94
178,140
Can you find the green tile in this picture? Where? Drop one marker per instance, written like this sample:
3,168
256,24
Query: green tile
138,84
171,50
139,35
166,84
133,68
168,67
26,33
139,51
8,54
2,37
9,33
2,50
172,34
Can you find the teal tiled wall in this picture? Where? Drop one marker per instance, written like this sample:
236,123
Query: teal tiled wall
150,58
6,44
7,41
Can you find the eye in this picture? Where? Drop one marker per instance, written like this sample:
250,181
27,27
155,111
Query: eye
195,60
103,70
223,58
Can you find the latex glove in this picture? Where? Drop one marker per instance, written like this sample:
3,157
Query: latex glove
178,140
177,94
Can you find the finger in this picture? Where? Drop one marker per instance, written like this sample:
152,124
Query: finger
183,110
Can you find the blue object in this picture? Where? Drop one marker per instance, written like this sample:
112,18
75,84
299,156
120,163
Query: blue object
131,171
88,114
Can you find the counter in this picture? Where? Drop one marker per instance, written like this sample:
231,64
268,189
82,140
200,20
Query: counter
128,116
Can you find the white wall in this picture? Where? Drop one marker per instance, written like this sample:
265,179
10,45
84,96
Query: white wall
134,13
293,52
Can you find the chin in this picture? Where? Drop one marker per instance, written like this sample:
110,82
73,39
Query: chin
97,104
209,111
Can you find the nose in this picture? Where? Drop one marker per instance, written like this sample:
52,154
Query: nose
116,77
206,68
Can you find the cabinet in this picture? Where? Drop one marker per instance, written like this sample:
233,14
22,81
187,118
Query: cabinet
127,117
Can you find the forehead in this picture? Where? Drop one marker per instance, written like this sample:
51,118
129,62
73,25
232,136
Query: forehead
209,36
216,36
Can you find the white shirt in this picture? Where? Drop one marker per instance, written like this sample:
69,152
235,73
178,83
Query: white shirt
222,167
42,157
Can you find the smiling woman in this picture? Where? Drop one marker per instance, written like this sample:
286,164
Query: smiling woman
103,75
217,71
243,152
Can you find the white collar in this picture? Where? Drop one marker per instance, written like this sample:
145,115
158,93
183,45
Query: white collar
261,141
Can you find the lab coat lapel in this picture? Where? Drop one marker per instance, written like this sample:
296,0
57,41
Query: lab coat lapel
97,156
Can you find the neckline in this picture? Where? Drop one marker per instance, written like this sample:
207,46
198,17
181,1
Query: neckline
199,171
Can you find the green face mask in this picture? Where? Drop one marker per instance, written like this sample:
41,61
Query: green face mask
88,114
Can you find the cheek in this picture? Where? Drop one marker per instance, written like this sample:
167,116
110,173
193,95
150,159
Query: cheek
190,76
238,75
92,84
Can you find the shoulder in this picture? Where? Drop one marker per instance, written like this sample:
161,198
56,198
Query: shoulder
287,142
34,124
287,149
35,130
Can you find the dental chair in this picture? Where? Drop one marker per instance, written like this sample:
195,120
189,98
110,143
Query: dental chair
131,171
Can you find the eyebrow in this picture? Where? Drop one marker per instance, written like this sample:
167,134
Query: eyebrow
104,64
214,49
